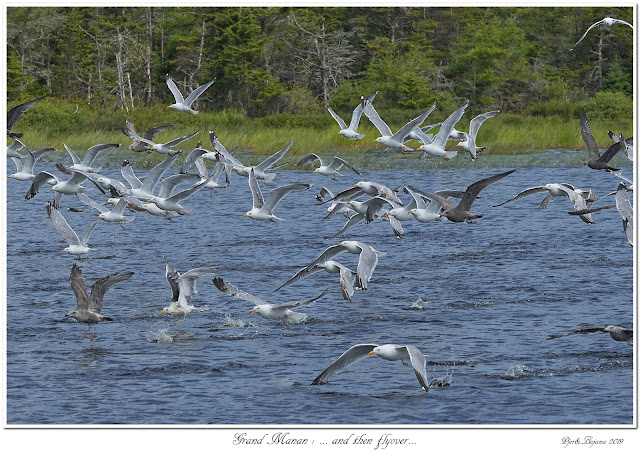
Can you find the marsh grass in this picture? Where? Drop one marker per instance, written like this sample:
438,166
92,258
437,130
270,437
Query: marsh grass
56,122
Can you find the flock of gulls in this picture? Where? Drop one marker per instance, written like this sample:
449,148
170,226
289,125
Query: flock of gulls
363,201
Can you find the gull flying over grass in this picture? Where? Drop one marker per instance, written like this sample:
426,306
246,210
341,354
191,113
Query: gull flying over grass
183,104
24,165
140,146
15,113
351,132
91,154
436,146
389,139
165,148
469,144
597,161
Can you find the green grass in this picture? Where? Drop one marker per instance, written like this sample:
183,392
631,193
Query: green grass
54,122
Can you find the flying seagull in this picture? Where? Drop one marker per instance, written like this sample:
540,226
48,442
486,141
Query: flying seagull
351,132
330,169
469,144
394,140
264,210
140,146
389,352
607,22
282,311
91,154
596,161
183,287
77,246
462,212
14,114
436,146
164,148
617,333
90,305
626,144
183,104
24,165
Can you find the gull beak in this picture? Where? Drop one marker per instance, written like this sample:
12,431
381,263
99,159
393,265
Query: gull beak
409,212
51,190
371,353
148,201
244,215
387,214
168,107
163,311
340,244
98,217
63,250
354,185
544,188
252,310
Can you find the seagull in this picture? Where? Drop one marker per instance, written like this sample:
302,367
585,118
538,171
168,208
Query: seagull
423,212
167,185
462,212
114,215
436,147
368,210
183,104
264,210
580,199
15,113
71,186
389,352
367,262
14,148
469,144
607,22
346,277
215,176
140,146
91,154
624,207
90,305
165,148
172,203
330,169
596,161
389,139
183,287
618,333
627,147
260,169
24,165
282,311
77,246
351,132
372,189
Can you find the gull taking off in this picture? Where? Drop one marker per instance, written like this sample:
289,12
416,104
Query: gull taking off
183,287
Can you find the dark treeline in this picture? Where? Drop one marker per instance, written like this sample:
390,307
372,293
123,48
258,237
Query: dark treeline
294,60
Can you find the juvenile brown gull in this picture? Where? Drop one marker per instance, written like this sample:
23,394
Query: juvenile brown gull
89,306
15,113
163,148
389,352
618,333
597,161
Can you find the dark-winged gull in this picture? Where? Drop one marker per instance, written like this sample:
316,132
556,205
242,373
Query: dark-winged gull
331,169
281,311
183,104
389,352
14,114
618,333
351,132
183,287
607,22
77,246
367,262
436,146
264,210
89,306
597,161
462,212
140,146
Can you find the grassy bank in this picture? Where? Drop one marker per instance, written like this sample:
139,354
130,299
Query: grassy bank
53,122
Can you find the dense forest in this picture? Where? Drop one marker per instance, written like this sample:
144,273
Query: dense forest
295,60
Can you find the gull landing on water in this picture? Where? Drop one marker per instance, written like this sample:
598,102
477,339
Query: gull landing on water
607,22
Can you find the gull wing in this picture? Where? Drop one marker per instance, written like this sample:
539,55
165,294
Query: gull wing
14,114
338,119
326,255
346,281
197,93
588,330
414,123
182,195
352,354
127,172
92,153
92,203
585,33
525,193
177,95
578,203
622,21
258,199
375,204
187,282
443,201
29,160
626,211
445,129
309,158
353,220
193,156
338,162
276,194
426,139
419,364
76,279
169,183
273,159
396,226
153,131
18,163
232,290
356,115
417,198
130,131
85,238
74,156
172,277
477,121
349,193
61,224
100,288
366,264
474,189
375,119
592,147
154,174
175,142
294,304
611,152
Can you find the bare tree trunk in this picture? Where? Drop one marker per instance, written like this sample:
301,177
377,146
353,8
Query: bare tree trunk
600,62
120,72
149,93
130,90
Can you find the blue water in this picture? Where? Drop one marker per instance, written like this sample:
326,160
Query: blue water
492,293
